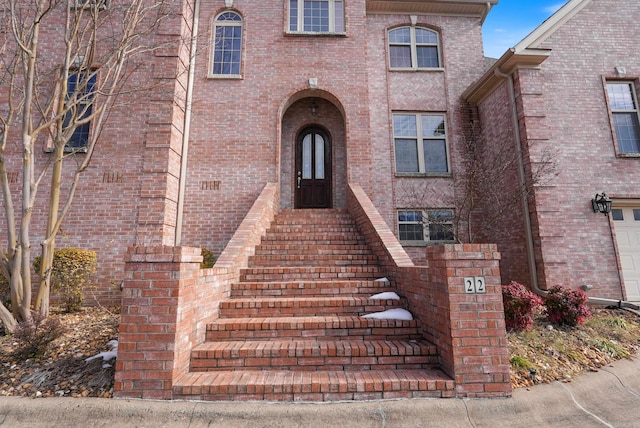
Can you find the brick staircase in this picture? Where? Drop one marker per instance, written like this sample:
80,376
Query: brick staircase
292,330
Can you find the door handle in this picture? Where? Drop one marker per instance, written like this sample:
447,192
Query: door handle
299,178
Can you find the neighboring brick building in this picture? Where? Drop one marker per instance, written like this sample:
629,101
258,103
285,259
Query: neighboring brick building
575,84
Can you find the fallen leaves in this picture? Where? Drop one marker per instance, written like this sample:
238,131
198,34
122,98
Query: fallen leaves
549,353
62,370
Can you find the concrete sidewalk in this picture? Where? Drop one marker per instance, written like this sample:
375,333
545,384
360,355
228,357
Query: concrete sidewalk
608,398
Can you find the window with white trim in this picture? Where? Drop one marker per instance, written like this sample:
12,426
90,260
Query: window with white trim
420,143
227,45
425,226
413,48
623,106
316,16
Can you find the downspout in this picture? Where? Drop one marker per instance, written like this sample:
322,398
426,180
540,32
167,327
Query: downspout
525,205
182,183
531,258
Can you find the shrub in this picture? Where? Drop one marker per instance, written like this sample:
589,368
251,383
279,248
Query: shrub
566,306
71,269
520,306
208,259
34,336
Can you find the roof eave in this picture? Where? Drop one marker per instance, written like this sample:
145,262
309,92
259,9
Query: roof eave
507,64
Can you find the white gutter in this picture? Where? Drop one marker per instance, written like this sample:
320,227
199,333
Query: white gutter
187,125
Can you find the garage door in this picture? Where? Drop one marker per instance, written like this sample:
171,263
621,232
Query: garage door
627,226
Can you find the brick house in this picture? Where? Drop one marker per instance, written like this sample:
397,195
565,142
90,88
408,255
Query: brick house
572,84
317,147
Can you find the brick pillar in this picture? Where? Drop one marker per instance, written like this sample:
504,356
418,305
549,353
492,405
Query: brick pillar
475,350
158,307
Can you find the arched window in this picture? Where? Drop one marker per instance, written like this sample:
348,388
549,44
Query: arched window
413,48
227,45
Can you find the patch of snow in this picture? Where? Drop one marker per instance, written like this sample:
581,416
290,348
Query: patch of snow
391,314
389,295
107,355
383,279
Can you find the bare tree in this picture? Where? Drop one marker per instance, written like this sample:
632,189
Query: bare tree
487,186
64,65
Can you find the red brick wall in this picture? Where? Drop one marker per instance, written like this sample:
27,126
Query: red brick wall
562,109
168,301
468,329
107,214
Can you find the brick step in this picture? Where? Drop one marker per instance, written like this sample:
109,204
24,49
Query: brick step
305,229
319,327
293,248
271,274
349,238
309,288
304,306
288,385
305,355
312,260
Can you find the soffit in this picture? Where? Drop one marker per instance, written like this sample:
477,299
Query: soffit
431,7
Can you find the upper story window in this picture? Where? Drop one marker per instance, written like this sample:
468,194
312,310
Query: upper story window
316,16
420,143
413,48
227,45
80,93
623,106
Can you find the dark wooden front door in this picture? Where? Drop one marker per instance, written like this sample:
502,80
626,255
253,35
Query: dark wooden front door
313,169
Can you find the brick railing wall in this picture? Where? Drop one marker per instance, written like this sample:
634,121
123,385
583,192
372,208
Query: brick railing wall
468,329
168,300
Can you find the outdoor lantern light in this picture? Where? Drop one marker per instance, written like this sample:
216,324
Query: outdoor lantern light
314,107
601,203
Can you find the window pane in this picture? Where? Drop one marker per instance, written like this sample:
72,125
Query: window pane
339,13
306,157
411,232
319,157
617,214
427,56
227,50
406,155
433,126
627,132
400,35
426,37
435,156
405,125
293,15
316,16
636,214
440,232
229,16
620,96
409,216
400,56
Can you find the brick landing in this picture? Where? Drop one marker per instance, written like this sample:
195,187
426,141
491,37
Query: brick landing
292,330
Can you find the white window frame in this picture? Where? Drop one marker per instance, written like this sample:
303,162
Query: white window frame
420,139
215,25
414,48
332,18
425,222
632,91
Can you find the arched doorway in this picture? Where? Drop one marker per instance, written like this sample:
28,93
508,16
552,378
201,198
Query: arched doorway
313,169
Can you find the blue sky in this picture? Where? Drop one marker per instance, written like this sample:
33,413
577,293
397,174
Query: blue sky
512,20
